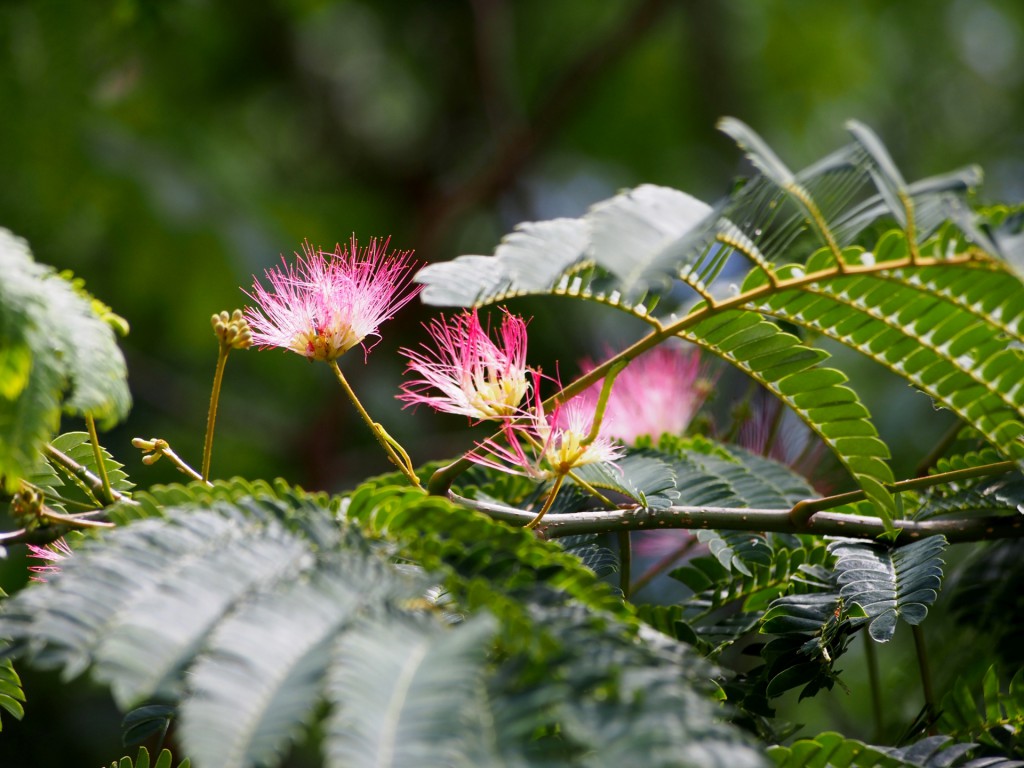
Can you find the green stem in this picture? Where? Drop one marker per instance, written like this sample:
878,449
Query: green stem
803,511
395,453
547,503
181,464
625,563
931,708
211,416
87,478
107,496
876,687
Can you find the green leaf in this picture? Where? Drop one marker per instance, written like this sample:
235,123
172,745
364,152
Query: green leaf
996,720
50,332
890,584
531,259
816,395
78,447
12,697
647,480
100,609
15,367
951,330
998,495
282,643
649,236
143,722
836,751
401,690
164,760
737,549
259,601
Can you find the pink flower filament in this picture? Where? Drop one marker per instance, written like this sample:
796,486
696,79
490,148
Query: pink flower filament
324,304
52,554
465,372
555,443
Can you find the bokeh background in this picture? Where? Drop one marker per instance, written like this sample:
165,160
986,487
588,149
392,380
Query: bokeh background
167,151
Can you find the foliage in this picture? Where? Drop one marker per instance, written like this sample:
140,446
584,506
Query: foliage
395,624
890,585
164,760
834,750
997,723
12,697
56,354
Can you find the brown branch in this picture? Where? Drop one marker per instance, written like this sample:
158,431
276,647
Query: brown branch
956,530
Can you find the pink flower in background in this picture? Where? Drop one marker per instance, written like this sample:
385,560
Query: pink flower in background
52,554
770,430
658,392
543,446
324,304
471,374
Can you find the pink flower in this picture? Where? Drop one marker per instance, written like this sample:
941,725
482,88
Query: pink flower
52,553
770,431
658,392
473,375
543,446
325,304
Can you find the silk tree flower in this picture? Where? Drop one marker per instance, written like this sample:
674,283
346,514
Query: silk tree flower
471,374
658,392
324,304
52,555
544,446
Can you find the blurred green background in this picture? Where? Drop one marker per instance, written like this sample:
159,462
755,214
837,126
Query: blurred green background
167,151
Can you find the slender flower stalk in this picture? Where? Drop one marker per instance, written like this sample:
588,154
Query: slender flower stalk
325,304
232,332
395,453
467,373
101,467
51,555
658,392
156,447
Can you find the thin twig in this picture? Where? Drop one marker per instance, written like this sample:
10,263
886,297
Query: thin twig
625,563
875,684
931,707
97,452
805,510
92,482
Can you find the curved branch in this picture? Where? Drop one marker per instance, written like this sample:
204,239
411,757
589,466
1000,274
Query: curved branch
956,530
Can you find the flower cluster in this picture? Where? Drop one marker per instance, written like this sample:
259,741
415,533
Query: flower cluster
545,446
325,304
466,372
